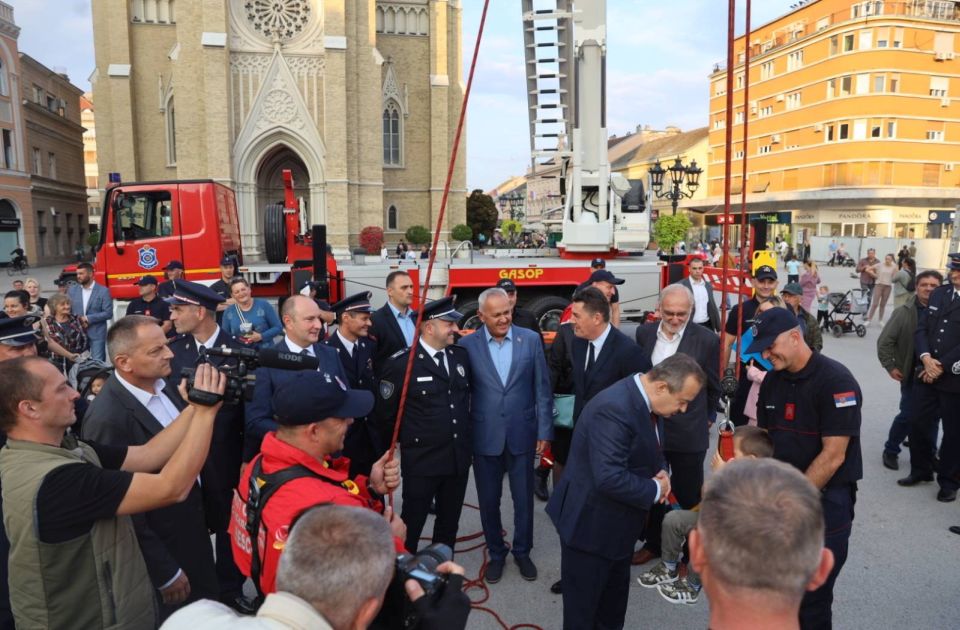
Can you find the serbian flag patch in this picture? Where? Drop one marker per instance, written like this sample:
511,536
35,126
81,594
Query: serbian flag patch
845,399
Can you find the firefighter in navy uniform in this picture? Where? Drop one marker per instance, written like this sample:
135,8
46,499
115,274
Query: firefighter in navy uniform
435,431
937,343
811,406
355,349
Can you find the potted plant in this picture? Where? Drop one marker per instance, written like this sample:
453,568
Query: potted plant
417,235
371,240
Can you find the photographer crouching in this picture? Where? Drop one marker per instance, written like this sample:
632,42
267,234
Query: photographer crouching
296,470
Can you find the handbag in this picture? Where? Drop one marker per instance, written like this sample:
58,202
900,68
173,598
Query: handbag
563,410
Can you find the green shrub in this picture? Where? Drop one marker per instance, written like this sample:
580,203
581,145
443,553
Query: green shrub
417,235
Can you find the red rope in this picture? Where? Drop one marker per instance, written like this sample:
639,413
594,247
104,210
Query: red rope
743,189
727,172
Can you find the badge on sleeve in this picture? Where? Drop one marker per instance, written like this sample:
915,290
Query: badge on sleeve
955,368
386,389
461,371
789,411
845,399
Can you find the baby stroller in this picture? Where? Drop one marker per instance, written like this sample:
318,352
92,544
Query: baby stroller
81,377
843,307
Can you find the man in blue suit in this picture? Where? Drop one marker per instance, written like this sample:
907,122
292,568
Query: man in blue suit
615,473
301,327
512,413
91,302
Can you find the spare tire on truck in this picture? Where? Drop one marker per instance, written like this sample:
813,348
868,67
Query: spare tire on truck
547,310
275,234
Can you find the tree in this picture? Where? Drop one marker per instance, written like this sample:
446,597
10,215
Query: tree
669,230
371,239
461,233
481,214
511,230
418,235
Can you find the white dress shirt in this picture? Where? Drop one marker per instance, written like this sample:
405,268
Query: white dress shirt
347,344
156,402
294,348
656,431
86,292
665,346
701,302
598,344
430,350
208,344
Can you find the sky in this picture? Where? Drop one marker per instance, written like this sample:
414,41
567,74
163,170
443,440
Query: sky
659,57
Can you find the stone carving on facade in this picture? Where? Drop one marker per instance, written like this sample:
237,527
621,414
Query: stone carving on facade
392,90
396,18
279,108
263,25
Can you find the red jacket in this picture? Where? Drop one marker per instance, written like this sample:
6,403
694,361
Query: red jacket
289,502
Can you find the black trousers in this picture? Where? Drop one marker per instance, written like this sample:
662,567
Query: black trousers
361,446
595,590
740,399
816,609
419,492
931,405
686,483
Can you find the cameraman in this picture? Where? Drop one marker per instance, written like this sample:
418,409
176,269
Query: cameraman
333,575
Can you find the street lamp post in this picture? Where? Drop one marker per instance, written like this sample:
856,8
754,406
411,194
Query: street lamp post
679,174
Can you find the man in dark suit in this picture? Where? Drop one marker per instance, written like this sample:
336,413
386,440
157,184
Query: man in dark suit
355,349
393,324
91,302
512,412
937,343
193,311
686,436
520,316
435,431
706,313
301,331
135,404
615,473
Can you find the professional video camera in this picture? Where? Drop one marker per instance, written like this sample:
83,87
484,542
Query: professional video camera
240,370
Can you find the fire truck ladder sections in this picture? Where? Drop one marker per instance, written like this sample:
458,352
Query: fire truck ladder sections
547,45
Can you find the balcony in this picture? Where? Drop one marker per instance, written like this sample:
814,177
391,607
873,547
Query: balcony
937,10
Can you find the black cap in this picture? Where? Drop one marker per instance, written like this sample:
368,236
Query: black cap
765,272
768,326
309,396
19,331
793,288
147,280
598,263
193,294
602,275
174,264
358,303
954,263
228,259
507,285
442,309
324,305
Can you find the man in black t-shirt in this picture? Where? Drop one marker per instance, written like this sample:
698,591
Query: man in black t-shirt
149,303
228,269
75,499
764,285
811,405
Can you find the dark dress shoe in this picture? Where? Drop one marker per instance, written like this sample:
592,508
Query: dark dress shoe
946,495
643,556
557,587
913,479
528,570
890,460
955,529
494,571
540,489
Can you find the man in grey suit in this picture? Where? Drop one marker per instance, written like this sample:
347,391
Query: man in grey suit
91,302
706,313
512,414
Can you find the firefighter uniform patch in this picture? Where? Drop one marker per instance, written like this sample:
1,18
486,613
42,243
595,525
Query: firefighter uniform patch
386,389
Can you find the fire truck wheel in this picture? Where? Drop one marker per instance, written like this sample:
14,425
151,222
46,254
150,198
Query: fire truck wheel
275,234
548,310
470,321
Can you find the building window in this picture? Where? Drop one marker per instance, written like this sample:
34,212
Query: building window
795,60
860,130
39,95
392,218
891,129
155,11
9,156
866,40
875,131
738,155
170,116
863,83
939,86
392,134
766,70
823,23
51,165
834,45
894,83
793,100
4,90
936,136
846,86
765,149
883,37
739,81
898,38
878,82
766,111
36,167
943,42
738,117
844,131
864,9
931,175
848,42
829,137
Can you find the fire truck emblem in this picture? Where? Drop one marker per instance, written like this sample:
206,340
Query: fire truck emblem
147,257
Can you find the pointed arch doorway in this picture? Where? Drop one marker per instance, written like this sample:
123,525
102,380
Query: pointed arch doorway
270,181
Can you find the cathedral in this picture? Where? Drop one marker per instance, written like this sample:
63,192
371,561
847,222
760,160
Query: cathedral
359,98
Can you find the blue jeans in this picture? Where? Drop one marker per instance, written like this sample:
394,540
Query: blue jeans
900,428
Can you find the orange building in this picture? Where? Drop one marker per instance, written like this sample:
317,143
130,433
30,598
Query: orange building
854,123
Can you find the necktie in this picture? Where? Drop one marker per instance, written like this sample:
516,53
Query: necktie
439,357
304,353
591,358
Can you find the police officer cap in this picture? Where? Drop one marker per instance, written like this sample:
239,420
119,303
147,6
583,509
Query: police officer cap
768,326
193,294
602,275
793,288
174,264
228,260
309,396
598,263
507,285
765,272
19,331
358,303
442,309
954,263
147,280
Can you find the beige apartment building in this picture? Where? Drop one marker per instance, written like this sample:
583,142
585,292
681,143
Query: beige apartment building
90,170
359,98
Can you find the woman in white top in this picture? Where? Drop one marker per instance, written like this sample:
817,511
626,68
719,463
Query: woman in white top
883,272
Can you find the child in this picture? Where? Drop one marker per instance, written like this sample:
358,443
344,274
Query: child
748,441
823,306
96,385
755,374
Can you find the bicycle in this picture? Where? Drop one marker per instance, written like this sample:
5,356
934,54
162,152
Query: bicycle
18,265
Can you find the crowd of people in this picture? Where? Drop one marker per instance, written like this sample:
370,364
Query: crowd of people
193,487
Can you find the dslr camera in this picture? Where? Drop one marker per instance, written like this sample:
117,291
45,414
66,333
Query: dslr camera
422,567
